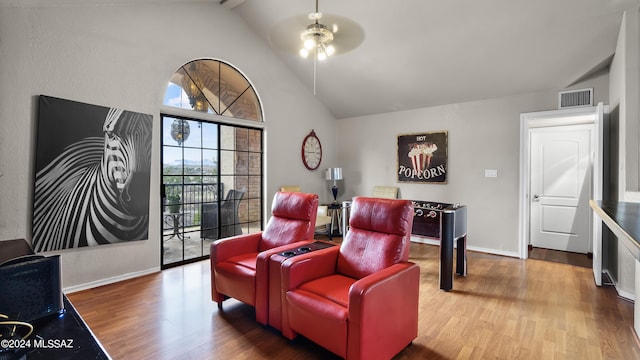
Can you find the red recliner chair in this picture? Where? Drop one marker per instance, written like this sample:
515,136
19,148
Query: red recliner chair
239,264
360,301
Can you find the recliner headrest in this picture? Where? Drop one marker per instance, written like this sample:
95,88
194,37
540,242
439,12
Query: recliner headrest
381,215
295,205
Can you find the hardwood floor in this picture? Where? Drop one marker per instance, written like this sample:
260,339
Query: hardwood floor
505,308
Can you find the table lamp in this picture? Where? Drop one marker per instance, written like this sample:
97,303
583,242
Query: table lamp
334,174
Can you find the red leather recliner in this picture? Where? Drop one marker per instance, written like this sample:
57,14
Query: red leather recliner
239,264
359,301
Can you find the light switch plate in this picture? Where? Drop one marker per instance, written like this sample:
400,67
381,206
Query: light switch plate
490,173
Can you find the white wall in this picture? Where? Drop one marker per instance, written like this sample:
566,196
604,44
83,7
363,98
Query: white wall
482,135
123,56
624,93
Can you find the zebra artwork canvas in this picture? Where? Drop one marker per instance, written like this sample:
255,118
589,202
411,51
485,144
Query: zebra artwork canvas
92,178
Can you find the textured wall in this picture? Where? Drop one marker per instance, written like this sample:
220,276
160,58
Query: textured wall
123,55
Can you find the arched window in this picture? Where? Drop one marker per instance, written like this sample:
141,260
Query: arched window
215,87
212,168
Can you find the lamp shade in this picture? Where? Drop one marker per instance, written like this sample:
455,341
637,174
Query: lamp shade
334,174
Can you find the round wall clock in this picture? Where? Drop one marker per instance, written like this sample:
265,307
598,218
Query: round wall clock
311,151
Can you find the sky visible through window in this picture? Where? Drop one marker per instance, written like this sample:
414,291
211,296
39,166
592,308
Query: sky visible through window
201,135
175,96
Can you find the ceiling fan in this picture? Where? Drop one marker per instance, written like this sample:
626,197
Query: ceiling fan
318,37
327,35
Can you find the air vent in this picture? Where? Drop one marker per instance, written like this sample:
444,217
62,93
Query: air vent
575,98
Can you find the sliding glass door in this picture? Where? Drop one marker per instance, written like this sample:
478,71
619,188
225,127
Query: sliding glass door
211,186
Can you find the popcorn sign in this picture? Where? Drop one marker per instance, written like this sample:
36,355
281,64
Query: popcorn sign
423,157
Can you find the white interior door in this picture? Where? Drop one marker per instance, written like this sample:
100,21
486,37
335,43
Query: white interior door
560,187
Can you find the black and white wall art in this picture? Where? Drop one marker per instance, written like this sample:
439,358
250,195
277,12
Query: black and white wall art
92,178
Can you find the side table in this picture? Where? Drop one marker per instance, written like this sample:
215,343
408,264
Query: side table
336,217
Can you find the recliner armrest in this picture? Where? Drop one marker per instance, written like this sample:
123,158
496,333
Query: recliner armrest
393,292
306,267
300,269
382,279
225,248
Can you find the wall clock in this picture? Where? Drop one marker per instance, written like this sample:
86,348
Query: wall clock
311,151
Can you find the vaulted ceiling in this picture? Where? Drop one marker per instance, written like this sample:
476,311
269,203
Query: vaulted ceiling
421,53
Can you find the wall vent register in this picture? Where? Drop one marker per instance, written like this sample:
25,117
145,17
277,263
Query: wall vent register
575,98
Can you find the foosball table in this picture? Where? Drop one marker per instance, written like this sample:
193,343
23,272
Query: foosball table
446,223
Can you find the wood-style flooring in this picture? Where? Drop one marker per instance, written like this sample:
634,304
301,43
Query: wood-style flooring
505,308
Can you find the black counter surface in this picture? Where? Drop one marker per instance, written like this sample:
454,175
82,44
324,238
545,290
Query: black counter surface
623,218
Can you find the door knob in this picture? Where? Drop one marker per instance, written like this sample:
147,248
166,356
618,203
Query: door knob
536,197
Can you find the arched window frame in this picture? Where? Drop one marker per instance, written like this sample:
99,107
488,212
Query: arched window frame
223,118
215,87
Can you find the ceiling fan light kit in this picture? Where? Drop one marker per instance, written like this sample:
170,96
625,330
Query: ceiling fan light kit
317,37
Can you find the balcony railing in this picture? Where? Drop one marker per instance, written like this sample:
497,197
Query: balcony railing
192,196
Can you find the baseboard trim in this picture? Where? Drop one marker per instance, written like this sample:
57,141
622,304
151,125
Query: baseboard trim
625,295
107,281
422,240
621,293
429,241
494,252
